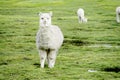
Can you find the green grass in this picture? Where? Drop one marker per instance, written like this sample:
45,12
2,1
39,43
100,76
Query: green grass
91,46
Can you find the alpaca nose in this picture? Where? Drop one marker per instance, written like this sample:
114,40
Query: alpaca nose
45,22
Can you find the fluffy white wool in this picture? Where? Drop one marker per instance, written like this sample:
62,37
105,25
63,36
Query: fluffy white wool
48,40
118,14
81,15
49,37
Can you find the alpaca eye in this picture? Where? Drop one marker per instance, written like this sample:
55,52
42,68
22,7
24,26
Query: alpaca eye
42,18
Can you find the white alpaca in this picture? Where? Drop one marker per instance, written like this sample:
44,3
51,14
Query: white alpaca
118,14
48,40
81,16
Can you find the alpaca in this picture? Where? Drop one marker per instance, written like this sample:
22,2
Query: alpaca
81,16
49,39
118,14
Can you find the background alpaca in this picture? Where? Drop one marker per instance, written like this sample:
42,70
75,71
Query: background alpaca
118,14
48,40
81,16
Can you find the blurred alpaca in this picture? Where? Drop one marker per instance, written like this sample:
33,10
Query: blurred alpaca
118,14
48,40
81,16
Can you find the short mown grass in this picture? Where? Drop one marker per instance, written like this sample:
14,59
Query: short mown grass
90,51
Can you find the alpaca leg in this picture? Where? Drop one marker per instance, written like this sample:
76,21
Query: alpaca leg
51,58
117,17
82,19
43,55
79,19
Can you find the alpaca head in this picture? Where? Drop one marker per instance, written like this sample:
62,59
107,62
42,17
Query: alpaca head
45,19
85,20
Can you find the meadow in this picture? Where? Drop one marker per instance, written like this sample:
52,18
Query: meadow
91,51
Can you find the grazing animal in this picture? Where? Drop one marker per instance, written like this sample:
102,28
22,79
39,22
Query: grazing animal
118,14
49,39
81,16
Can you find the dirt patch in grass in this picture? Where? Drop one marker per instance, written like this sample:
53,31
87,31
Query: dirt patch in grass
112,69
4,63
75,42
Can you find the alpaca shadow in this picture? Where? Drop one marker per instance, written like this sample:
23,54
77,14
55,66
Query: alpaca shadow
37,65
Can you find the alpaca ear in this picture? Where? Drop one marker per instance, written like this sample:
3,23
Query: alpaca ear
50,13
40,13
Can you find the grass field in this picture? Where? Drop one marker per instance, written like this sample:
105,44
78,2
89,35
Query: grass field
90,51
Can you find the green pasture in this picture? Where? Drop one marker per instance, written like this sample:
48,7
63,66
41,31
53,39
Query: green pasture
91,51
